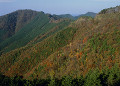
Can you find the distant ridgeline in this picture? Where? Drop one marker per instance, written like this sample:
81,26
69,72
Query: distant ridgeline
111,10
88,14
56,51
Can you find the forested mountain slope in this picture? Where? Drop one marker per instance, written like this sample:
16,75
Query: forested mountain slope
13,22
40,27
86,50
95,44
86,39
111,10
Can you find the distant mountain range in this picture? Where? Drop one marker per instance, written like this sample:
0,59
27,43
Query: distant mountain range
88,14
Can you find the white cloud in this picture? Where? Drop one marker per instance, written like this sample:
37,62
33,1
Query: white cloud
6,1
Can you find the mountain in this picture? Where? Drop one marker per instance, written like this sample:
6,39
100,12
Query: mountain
13,22
41,26
67,16
82,52
88,14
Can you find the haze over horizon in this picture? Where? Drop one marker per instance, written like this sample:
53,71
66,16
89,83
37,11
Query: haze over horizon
75,7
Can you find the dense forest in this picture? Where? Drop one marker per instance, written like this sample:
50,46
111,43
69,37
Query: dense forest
111,77
56,50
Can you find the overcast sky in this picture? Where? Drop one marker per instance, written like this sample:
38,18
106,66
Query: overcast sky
74,7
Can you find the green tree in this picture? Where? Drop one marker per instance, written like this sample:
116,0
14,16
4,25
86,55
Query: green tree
67,81
92,78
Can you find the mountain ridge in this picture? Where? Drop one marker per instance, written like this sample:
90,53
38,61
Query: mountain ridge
110,10
20,18
40,25
88,14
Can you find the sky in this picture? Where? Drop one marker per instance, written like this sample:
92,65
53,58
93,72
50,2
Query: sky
74,7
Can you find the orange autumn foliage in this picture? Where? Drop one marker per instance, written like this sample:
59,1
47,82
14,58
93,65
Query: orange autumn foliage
85,39
79,55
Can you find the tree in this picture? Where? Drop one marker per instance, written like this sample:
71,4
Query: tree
67,81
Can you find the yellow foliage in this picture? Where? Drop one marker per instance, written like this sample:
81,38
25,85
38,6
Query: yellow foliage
52,74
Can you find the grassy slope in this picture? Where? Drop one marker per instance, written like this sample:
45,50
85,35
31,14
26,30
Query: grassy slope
84,45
